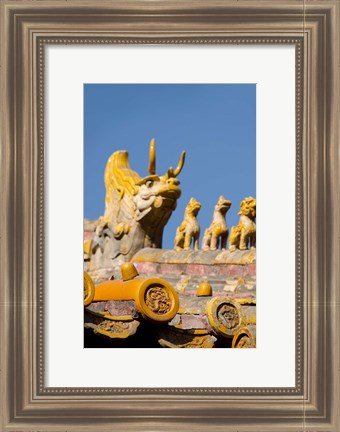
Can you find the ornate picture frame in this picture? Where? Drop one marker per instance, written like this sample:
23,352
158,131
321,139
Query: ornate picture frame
27,26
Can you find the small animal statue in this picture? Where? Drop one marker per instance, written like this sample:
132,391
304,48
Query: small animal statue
217,234
189,229
244,233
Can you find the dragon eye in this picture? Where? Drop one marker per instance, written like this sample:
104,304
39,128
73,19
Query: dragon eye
149,183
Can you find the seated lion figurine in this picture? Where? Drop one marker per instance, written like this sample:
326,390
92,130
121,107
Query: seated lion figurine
244,233
189,229
218,230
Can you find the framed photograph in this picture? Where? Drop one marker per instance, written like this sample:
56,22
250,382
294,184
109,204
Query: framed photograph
224,81
165,230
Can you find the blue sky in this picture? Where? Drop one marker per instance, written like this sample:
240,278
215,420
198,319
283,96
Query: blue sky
214,123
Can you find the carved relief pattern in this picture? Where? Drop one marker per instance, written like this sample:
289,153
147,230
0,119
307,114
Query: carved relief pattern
228,316
157,299
111,329
114,326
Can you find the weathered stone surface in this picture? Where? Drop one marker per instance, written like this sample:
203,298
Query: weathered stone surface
114,308
196,269
249,314
240,287
169,256
100,275
191,326
190,322
245,337
194,313
236,257
170,338
204,264
193,305
110,328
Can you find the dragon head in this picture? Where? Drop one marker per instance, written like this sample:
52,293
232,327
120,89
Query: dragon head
148,201
193,207
248,208
156,191
223,205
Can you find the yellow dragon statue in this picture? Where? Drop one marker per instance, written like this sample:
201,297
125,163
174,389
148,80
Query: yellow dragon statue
136,209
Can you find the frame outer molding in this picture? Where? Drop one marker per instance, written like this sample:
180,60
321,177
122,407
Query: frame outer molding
322,379
24,407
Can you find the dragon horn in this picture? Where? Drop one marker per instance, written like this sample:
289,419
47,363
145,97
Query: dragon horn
180,165
152,162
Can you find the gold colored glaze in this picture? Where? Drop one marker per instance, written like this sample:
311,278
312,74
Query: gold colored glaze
224,315
217,234
158,300
170,256
129,271
204,289
125,318
108,316
252,320
189,230
246,301
114,329
152,162
196,342
89,289
155,298
245,232
87,249
174,172
244,338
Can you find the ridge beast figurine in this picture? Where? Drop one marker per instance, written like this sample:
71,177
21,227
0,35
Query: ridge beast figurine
245,232
136,209
189,229
218,230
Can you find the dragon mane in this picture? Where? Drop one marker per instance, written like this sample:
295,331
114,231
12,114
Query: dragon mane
119,178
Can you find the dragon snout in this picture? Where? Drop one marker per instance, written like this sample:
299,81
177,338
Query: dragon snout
172,181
